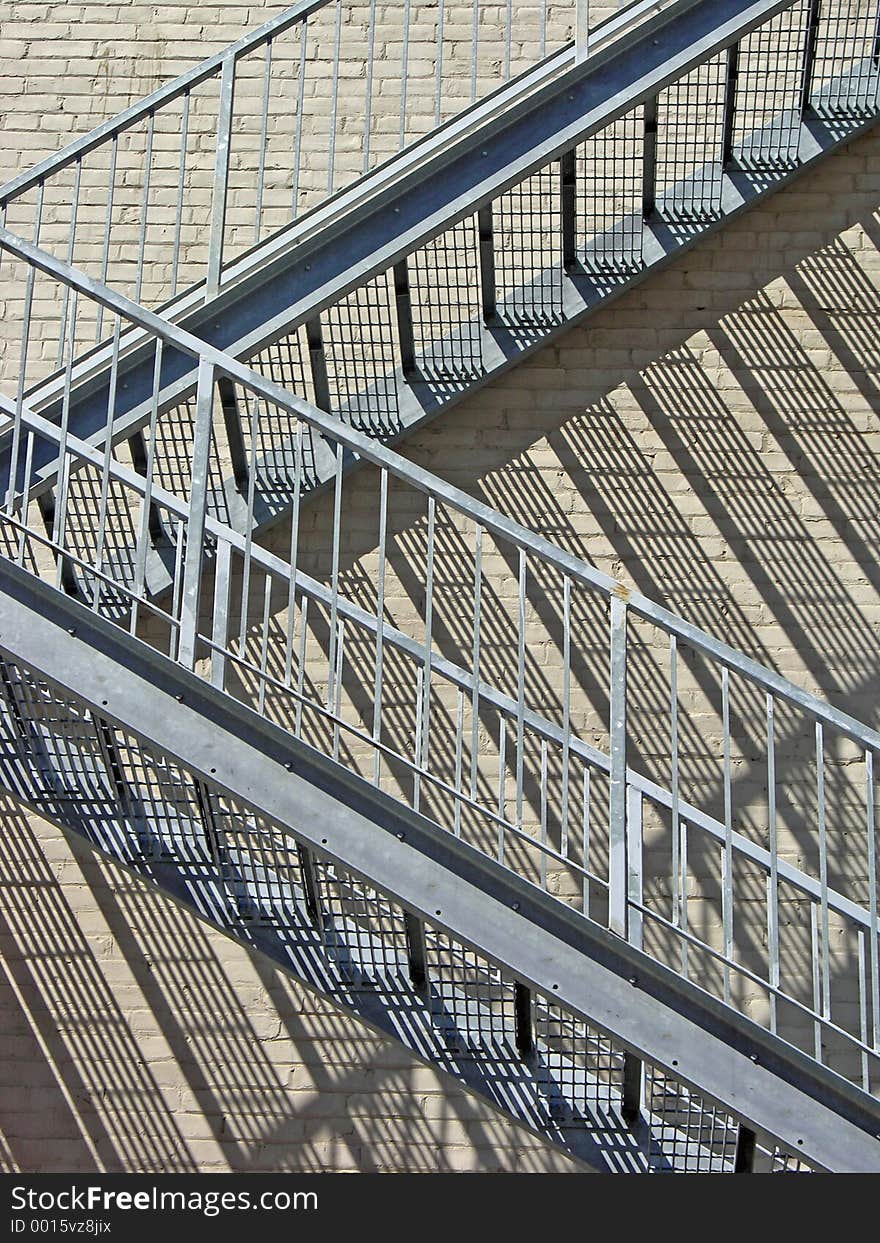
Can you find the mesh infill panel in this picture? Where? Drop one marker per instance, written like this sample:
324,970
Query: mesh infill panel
472,1005
692,1136
766,123
364,933
609,196
286,362
845,67
361,352
690,123
578,1071
445,292
528,251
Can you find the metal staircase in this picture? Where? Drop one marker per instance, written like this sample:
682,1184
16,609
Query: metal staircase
486,820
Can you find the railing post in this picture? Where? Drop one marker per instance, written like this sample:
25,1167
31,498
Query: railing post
581,30
195,526
618,879
221,178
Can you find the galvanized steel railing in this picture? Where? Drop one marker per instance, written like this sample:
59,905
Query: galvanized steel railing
166,194
713,813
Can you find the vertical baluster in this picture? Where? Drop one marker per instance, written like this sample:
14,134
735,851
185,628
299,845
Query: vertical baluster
300,94
617,863
586,833
368,105
71,246
475,43
635,895
404,75
543,813
508,36
475,661
195,526
459,748
380,619
566,712
334,577
108,224
438,85
675,817
264,137
334,100
105,465
823,872
520,687
773,878
423,759
727,853
26,321
145,206
220,188
294,553
872,900
581,30
181,183
502,785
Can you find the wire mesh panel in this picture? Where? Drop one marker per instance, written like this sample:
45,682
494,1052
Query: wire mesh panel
471,1003
361,354
362,930
609,196
846,68
445,294
771,63
271,438
548,1067
173,453
690,124
101,530
690,1136
578,1071
528,251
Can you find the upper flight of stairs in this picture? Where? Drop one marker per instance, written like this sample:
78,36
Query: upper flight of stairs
500,859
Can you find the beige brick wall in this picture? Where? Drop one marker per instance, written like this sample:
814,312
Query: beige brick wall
712,440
